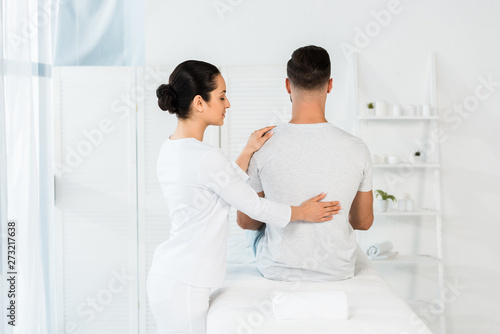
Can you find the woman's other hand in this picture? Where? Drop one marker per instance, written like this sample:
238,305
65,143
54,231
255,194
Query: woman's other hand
313,210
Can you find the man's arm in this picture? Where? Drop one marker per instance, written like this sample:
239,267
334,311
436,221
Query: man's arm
361,213
246,222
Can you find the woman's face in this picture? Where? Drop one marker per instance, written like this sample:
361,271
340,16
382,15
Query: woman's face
215,109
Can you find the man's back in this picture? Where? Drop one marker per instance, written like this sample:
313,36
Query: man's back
297,163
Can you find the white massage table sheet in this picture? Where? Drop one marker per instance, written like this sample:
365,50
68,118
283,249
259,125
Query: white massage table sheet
243,303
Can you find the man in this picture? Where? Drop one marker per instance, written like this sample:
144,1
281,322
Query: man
304,157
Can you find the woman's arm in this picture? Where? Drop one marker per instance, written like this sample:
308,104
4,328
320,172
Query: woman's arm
244,158
246,222
217,174
298,213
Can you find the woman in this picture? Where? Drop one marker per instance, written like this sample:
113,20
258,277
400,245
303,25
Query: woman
200,185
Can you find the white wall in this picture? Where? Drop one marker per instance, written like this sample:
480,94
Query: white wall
464,35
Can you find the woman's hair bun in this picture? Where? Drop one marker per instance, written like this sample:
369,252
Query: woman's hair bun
189,79
167,98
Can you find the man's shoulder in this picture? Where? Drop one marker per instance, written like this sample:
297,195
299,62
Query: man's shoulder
342,133
329,134
347,137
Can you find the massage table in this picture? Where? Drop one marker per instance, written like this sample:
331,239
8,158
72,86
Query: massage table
242,305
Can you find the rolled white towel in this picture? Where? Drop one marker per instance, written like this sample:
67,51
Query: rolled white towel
379,249
385,256
310,304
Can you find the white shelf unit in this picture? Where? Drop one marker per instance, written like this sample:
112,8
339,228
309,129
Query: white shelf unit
410,259
434,167
419,212
415,165
397,118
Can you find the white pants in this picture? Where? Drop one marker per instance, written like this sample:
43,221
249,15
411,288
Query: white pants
178,308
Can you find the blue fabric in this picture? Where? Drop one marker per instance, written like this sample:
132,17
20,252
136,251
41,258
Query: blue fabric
254,237
100,33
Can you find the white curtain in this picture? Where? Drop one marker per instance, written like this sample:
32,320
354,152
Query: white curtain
26,164
100,33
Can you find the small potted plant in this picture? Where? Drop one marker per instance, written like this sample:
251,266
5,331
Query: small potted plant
417,156
370,109
382,202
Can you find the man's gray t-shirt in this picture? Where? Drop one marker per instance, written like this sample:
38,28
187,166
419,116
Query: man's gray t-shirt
298,162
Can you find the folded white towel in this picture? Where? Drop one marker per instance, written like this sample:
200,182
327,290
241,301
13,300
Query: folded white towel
310,304
379,249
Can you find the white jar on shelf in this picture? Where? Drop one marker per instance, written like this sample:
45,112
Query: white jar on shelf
396,110
401,204
419,109
393,160
426,110
411,110
381,108
408,202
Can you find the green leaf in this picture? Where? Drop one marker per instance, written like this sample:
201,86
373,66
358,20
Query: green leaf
380,193
385,196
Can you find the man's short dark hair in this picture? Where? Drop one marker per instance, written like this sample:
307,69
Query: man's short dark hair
309,68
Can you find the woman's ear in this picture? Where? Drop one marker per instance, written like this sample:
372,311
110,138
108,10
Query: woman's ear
198,103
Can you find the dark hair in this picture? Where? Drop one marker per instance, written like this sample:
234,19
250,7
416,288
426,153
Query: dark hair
309,68
190,78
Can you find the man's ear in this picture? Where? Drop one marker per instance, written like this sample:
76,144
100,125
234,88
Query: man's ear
198,103
287,85
330,85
